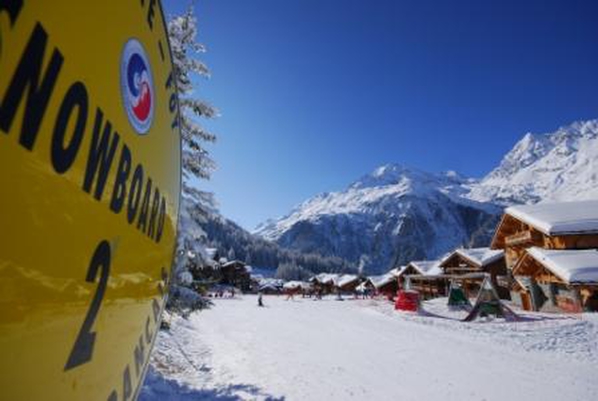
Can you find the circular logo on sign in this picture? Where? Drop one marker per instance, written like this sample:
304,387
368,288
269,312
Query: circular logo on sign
137,86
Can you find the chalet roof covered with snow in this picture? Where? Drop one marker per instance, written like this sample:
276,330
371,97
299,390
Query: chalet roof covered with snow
346,279
379,281
427,267
480,256
325,278
269,286
233,263
571,265
559,218
292,285
397,271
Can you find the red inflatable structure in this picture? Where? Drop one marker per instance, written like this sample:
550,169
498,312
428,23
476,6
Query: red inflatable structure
407,300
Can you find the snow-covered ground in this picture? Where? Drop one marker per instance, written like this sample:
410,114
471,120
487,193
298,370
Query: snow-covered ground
363,349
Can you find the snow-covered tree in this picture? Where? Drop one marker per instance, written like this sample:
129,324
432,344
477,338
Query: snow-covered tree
196,161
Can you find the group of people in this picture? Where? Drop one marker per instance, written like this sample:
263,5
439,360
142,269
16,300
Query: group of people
317,293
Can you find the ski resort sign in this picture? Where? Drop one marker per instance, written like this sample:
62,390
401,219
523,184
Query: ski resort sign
90,175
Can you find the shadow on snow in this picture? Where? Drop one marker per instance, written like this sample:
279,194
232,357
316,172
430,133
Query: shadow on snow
157,387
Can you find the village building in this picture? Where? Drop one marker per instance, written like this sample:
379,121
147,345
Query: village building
565,225
557,280
423,278
463,262
237,274
347,283
386,285
324,283
270,288
548,226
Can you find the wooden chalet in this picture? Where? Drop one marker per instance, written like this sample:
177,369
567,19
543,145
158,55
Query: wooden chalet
270,288
237,274
462,262
347,283
386,285
423,275
324,283
557,280
549,226
565,225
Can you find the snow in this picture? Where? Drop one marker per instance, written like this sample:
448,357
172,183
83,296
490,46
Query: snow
559,218
573,266
379,281
325,278
395,207
363,349
427,267
293,285
557,166
389,181
480,256
397,271
345,279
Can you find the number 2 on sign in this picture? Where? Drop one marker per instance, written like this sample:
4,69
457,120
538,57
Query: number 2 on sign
83,349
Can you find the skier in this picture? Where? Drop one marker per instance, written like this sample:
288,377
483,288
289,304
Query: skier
259,299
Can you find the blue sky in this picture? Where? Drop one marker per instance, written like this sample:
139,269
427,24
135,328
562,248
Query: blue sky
315,93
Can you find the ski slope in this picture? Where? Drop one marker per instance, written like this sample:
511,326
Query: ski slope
363,349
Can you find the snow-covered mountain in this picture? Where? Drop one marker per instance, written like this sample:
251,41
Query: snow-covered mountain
396,214
393,215
556,166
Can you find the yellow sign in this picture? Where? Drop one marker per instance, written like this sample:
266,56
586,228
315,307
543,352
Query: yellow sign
89,181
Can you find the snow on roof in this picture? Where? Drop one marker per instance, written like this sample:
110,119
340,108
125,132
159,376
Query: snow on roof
234,262
427,267
325,278
346,279
397,271
272,283
571,265
379,281
291,285
481,256
559,218
211,252
271,286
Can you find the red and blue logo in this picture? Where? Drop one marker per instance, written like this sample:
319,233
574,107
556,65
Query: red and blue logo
137,86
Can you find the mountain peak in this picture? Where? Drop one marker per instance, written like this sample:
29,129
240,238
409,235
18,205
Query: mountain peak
550,167
391,174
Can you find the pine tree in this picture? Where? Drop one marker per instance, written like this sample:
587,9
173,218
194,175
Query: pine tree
196,161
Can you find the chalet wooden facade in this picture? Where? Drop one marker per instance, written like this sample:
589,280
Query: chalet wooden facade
476,260
550,226
386,285
423,277
324,283
236,274
347,283
558,280
566,225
